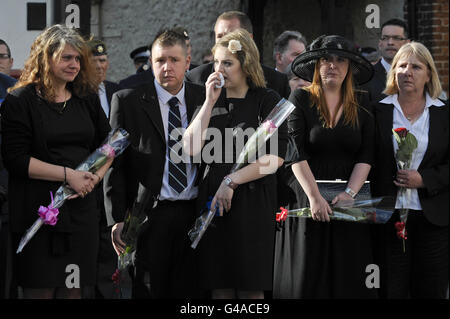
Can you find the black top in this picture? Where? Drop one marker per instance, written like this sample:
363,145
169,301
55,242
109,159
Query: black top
331,152
33,127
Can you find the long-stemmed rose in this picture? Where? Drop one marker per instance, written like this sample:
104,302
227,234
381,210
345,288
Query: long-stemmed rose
115,143
407,143
254,144
359,211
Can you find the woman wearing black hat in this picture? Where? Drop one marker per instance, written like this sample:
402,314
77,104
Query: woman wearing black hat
334,132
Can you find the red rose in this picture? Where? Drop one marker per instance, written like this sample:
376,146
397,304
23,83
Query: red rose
401,131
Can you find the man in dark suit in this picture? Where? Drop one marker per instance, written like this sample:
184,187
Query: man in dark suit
394,34
228,22
107,258
152,113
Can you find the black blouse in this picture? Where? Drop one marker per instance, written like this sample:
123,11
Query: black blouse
331,152
33,127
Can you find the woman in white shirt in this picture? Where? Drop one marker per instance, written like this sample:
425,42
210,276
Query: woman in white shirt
416,266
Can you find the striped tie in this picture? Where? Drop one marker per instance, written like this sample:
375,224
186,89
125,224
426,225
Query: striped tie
177,169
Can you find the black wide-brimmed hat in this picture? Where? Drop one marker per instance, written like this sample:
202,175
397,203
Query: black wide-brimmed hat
303,66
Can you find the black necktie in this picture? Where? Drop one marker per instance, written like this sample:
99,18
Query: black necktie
177,169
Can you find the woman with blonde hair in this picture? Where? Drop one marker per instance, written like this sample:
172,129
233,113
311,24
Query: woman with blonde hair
236,254
415,267
333,130
51,121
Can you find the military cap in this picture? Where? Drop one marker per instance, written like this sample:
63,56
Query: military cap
97,47
140,54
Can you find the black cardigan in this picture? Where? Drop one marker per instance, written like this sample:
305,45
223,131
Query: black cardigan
22,139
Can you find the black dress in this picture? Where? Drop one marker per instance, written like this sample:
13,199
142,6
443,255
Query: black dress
68,136
236,251
318,259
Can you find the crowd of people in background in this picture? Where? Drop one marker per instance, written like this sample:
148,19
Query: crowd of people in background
348,101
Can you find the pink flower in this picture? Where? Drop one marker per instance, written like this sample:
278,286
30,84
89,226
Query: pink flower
269,126
49,214
108,150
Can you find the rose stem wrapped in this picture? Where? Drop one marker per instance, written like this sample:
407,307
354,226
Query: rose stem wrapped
133,222
258,139
359,211
114,144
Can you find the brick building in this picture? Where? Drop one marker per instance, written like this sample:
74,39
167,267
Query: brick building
428,23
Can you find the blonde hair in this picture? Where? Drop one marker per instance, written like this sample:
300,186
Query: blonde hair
418,50
248,56
48,46
348,99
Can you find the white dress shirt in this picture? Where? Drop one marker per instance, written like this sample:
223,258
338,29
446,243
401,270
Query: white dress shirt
386,65
103,98
420,130
167,193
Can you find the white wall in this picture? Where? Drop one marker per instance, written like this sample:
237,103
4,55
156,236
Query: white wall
13,28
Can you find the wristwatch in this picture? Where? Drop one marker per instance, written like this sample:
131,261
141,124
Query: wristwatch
350,191
229,182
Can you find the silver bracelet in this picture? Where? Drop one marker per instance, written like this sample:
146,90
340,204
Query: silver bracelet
350,191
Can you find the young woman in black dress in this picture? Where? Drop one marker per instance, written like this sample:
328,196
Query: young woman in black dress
236,254
334,133
51,121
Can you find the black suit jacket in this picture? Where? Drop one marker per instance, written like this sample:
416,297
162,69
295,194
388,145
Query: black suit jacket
377,84
433,168
141,166
275,80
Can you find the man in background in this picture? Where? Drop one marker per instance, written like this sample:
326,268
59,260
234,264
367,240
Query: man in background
288,45
107,258
394,34
6,61
228,22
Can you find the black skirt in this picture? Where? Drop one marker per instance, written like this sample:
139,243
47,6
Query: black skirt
52,257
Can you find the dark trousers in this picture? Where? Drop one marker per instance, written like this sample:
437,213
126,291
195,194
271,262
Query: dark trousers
165,263
422,269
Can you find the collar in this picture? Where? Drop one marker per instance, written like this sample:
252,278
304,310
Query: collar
393,99
165,96
385,64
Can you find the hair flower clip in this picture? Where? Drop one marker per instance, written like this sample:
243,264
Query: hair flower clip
234,46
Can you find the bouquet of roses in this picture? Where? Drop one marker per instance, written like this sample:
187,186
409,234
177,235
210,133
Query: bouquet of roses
115,143
258,139
373,211
407,143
